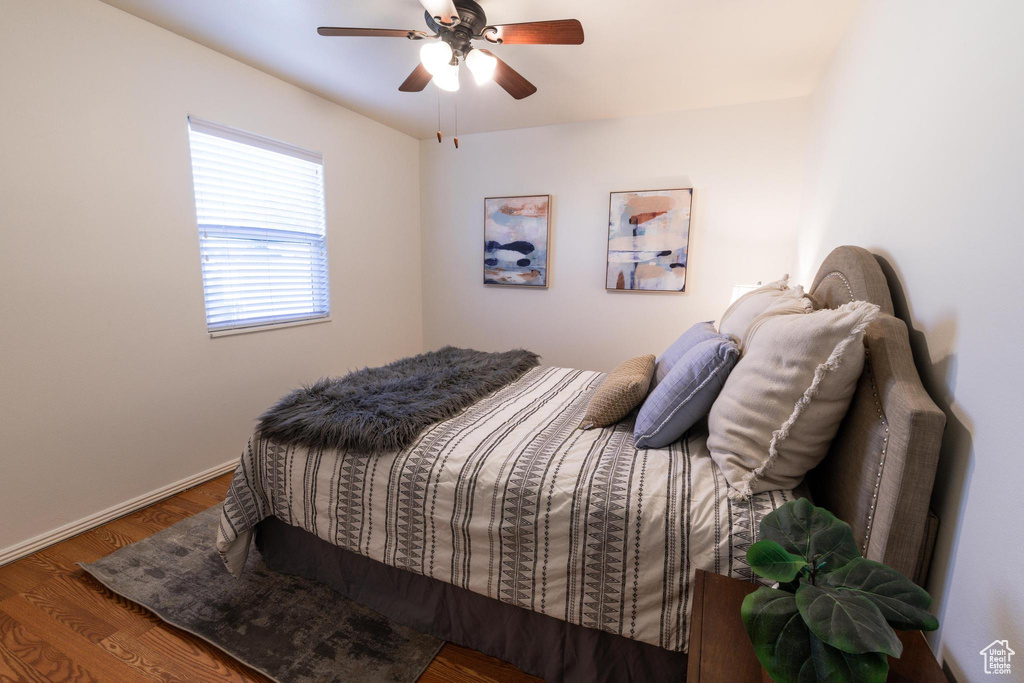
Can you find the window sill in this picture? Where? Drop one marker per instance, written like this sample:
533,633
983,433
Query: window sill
264,328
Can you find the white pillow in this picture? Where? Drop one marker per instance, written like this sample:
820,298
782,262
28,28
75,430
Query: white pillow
782,404
776,296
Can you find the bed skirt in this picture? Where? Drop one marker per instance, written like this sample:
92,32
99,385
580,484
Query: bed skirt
536,643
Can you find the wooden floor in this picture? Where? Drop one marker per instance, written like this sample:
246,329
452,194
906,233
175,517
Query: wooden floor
58,623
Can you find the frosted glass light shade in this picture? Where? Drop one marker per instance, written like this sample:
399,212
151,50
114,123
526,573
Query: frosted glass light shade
481,65
435,56
447,78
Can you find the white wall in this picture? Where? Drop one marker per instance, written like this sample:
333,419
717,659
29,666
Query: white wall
918,155
745,164
111,386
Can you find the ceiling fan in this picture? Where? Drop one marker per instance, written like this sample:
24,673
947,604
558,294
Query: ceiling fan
455,25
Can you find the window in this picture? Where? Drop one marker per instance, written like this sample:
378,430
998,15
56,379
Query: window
260,210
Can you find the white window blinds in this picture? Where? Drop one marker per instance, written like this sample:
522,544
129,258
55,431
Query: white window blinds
260,210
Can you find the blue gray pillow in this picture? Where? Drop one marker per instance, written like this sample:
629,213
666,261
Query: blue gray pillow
665,362
696,367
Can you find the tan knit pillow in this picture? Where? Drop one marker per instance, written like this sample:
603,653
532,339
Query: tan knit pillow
782,404
622,390
777,297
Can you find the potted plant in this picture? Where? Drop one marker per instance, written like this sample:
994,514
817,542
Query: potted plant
832,614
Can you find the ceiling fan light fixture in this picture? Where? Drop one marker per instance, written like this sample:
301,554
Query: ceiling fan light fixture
481,65
455,24
447,78
436,56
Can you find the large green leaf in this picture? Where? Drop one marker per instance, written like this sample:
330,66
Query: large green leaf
903,603
846,621
779,635
836,666
770,560
812,533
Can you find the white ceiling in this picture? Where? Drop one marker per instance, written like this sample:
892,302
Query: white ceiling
639,57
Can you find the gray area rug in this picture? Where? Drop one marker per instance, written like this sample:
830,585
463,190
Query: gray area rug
289,628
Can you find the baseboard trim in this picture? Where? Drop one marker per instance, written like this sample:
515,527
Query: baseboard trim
33,545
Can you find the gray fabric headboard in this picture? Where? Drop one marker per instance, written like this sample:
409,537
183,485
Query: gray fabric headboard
879,472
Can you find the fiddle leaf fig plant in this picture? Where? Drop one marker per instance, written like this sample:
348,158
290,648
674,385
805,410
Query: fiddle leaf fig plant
832,615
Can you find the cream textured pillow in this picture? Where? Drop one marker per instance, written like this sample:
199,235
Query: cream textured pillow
777,297
622,390
781,407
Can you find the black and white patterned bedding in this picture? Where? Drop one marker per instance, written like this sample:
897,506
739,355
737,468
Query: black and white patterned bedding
509,499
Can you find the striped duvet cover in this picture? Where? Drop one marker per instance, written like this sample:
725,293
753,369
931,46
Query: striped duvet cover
511,500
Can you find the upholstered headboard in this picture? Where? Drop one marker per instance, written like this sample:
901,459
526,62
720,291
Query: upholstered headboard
879,472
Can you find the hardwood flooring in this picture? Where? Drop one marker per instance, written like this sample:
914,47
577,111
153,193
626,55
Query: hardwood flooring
57,623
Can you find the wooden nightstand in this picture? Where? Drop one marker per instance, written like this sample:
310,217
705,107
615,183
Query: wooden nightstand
720,650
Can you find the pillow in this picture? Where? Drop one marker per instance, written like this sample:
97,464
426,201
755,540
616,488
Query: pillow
787,305
693,336
777,296
686,393
781,406
622,390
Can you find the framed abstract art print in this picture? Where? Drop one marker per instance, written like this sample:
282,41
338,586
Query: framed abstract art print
648,237
516,240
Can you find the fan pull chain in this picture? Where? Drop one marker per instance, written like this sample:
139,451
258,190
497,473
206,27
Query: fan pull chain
456,96
438,115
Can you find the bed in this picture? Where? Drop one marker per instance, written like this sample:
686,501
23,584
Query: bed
571,553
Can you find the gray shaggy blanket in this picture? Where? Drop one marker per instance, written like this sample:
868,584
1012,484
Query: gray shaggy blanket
376,410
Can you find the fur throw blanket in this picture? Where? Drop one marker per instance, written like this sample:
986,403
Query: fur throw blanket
376,410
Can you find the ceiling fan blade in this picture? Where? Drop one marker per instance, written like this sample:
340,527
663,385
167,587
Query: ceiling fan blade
443,11
510,79
561,32
370,32
417,80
